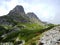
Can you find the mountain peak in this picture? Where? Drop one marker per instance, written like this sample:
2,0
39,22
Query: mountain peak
17,10
31,14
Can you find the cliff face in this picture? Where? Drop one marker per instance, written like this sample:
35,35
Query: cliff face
17,10
51,37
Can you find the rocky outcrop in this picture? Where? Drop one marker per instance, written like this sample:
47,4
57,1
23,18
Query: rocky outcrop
17,10
33,18
51,37
31,15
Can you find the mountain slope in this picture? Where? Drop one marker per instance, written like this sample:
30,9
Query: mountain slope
17,24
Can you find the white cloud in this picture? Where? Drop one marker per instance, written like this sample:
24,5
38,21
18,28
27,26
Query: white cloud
3,11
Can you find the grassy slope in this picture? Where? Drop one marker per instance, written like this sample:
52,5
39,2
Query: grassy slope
35,39
30,32
27,30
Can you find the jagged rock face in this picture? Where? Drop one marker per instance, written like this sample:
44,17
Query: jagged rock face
17,10
31,15
5,21
51,37
33,18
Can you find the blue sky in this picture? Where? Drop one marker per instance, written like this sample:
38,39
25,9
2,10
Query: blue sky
46,10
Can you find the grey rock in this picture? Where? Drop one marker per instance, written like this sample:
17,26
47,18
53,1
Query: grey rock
17,10
51,37
33,18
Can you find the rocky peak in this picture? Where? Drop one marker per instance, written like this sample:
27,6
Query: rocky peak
17,10
33,18
31,14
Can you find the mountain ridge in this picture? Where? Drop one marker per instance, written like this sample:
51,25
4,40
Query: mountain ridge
18,14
